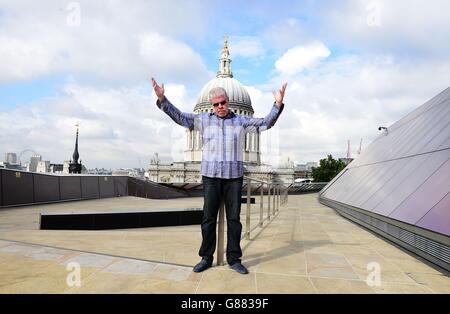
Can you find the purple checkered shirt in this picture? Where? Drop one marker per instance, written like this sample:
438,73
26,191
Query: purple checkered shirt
223,138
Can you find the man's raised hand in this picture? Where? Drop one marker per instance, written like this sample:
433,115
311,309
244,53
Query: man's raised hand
280,95
159,90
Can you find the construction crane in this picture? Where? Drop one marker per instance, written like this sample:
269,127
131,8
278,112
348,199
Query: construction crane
348,150
360,145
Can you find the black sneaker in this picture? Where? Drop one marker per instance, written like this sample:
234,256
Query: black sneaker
239,268
203,265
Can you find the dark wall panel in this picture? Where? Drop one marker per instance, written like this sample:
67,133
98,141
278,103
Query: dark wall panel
148,189
135,188
46,188
132,187
30,188
106,186
140,188
150,192
119,220
89,187
121,186
157,191
17,188
70,188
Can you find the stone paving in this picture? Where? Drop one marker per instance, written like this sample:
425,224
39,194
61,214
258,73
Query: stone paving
305,248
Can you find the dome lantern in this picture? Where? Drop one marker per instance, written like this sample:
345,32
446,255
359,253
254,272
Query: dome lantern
225,61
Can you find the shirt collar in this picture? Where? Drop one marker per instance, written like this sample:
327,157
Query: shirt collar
230,115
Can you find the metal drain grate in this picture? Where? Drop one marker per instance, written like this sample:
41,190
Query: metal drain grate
435,249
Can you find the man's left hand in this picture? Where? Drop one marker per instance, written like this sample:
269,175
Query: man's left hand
280,95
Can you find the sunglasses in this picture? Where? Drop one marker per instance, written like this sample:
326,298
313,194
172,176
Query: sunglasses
220,103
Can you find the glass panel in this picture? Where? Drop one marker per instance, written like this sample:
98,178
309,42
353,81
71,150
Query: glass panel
441,141
438,218
411,182
377,173
425,197
353,181
424,135
380,179
409,165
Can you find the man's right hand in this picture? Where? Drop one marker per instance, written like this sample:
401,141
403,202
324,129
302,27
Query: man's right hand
159,90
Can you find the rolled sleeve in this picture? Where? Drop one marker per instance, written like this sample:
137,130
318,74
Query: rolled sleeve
266,122
182,118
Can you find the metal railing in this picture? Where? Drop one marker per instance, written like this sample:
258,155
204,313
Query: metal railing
277,195
298,188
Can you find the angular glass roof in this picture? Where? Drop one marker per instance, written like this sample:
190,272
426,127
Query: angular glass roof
404,174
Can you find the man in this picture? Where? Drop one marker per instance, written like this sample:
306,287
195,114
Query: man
222,166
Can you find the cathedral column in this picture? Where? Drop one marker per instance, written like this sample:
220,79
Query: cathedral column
187,139
257,142
253,142
247,137
197,141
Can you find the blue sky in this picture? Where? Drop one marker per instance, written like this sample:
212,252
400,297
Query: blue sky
14,94
352,65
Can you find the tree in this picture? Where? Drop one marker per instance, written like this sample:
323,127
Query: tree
328,169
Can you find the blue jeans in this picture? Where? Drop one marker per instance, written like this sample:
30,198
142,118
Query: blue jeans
215,190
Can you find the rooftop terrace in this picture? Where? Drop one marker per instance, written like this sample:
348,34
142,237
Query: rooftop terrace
306,248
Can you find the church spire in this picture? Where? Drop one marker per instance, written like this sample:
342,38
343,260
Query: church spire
75,166
225,60
76,155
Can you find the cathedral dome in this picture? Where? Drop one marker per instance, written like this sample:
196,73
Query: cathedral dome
238,97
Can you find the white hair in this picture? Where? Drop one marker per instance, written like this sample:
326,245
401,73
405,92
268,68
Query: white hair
217,91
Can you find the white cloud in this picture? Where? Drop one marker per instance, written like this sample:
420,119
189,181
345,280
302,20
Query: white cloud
165,57
21,60
286,33
406,27
254,93
299,58
246,47
117,42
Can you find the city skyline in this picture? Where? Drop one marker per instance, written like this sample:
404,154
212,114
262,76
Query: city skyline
351,68
26,162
